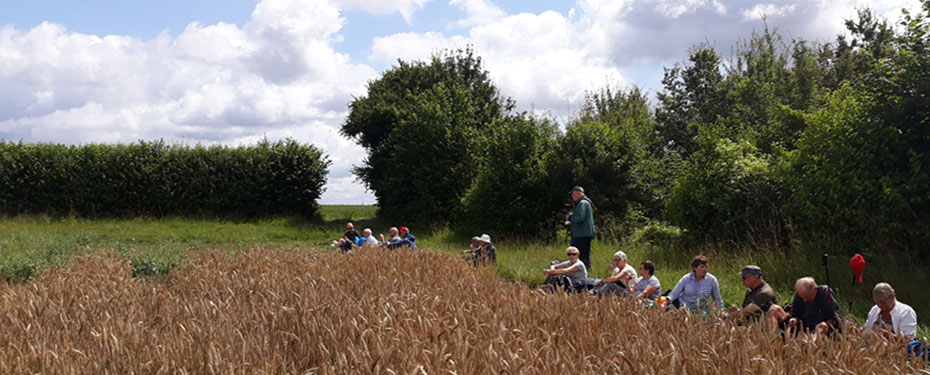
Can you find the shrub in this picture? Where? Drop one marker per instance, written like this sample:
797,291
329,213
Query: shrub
153,178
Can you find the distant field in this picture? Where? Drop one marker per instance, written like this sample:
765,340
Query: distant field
29,245
347,212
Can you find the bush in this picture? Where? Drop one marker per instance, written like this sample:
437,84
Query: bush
598,157
152,178
153,267
859,179
657,234
512,194
729,192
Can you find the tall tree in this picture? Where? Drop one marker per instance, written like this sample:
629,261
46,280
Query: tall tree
423,125
691,96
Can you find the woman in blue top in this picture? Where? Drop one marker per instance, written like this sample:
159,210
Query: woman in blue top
698,290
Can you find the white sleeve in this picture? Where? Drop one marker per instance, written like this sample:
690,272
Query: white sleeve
873,316
907,323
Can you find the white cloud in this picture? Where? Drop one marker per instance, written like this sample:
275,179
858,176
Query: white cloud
277,76
479,12
767,11
281,75
413,46
406,8
544,61
548,60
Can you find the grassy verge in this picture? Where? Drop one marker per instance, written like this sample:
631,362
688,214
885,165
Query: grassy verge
155,246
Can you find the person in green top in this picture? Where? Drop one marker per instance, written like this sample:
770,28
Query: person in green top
759,296
582,224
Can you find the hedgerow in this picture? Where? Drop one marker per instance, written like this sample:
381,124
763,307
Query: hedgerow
158,179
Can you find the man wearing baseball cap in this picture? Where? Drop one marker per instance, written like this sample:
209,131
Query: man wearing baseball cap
582,224
759,296
406,239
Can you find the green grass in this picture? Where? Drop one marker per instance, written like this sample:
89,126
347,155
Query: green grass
346,212
153,246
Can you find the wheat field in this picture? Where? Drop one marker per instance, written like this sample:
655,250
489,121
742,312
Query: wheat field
375,312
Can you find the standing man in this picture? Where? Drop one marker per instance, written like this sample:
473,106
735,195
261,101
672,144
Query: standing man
582,223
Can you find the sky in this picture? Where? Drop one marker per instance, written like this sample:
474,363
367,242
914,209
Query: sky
235,71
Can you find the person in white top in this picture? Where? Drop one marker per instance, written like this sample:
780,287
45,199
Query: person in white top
890,317
617,278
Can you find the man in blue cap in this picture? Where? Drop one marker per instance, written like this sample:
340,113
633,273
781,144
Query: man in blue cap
582,224
759,296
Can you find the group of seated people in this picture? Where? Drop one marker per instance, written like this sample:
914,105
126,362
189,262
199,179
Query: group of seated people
814,308
481,251
396,238
620,278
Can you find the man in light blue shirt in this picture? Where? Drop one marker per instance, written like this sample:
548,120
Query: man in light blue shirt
698,290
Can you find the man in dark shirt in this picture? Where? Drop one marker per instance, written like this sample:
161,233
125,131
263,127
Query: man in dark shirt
814,309
348,239
759,295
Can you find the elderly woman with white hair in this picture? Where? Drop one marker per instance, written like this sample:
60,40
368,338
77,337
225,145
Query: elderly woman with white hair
889,316
617,277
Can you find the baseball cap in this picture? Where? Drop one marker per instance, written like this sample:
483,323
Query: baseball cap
404,229
751,270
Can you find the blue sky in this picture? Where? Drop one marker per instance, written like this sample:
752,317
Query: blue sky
235,71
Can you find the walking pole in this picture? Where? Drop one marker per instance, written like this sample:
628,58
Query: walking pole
826,269
857,263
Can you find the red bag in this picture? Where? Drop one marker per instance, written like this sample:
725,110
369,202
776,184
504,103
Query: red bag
858,265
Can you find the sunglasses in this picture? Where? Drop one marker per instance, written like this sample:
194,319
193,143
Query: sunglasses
572,254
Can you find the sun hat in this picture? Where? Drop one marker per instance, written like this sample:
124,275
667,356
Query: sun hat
485,238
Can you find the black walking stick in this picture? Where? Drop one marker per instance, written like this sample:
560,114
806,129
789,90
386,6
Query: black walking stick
826,268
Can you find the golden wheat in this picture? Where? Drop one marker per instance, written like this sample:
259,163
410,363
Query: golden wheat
375,312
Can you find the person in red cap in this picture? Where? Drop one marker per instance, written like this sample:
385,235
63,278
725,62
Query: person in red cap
406,239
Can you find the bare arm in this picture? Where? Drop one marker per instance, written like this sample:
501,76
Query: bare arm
560,269
622,276
647,292
747,311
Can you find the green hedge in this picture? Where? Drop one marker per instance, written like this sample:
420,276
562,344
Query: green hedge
154,178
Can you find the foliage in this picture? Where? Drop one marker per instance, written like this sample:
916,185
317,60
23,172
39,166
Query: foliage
424,126
692,96
862,167
153,266
599,158
612,149
513,194
153,178
729,192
